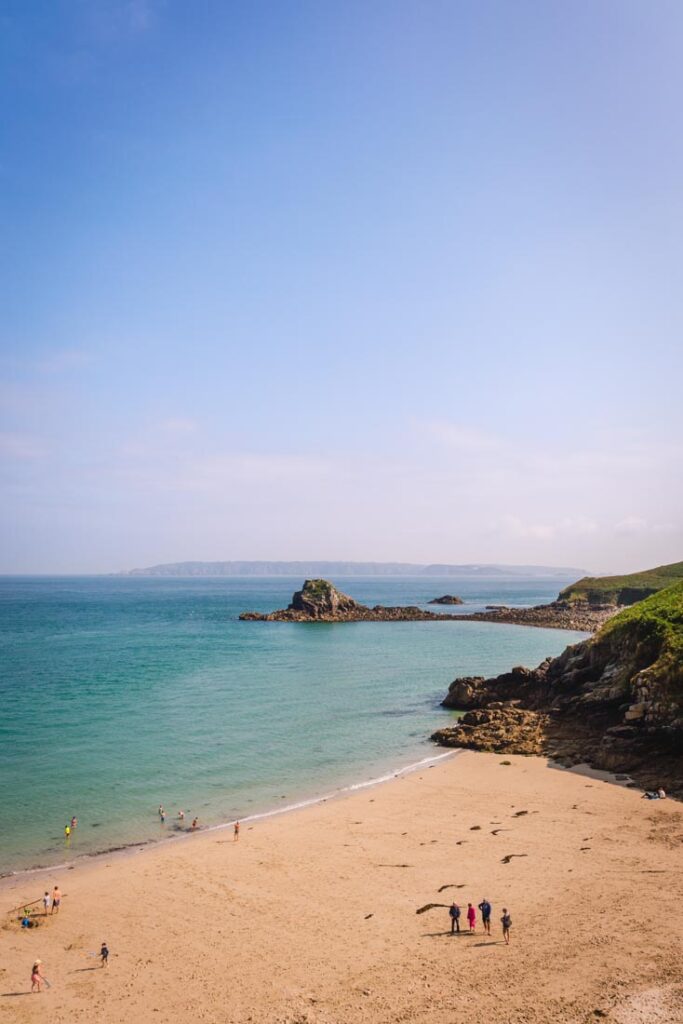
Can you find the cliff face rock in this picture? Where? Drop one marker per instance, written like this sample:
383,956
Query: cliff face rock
615,700
320,601
447,599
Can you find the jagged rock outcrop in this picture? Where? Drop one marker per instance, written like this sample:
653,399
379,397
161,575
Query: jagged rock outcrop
320,601
615,700
447,599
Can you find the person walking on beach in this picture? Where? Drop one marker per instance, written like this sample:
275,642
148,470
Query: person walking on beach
485,908
104,954
56,899
506,922
471,917
236,831
455,918
46,902
37,978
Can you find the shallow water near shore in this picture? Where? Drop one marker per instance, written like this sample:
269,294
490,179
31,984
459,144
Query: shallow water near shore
119,694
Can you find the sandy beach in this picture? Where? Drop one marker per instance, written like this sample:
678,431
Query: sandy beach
311,916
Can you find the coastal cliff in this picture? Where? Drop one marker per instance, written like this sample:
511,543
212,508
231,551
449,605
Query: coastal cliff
589,603
614,701
320,601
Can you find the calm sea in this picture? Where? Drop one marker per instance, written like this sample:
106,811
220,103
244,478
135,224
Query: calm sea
120,694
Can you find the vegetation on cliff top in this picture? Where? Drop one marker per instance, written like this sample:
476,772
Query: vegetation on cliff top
622,589
656,625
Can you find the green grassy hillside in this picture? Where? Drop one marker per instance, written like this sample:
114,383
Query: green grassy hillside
623,589
653,628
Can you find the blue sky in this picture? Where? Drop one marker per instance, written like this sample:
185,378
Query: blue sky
388,280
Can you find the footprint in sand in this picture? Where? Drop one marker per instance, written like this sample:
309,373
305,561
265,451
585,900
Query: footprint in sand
508,857
475,828
495,831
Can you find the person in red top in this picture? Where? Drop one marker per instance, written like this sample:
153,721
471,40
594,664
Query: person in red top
471,917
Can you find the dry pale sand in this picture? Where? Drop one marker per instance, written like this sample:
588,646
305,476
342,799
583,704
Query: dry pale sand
311,916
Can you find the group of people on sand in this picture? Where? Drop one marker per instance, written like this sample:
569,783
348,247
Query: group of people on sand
38,979
486,910
51,904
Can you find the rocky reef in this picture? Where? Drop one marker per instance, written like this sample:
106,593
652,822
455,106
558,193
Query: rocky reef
614,701
320,601
446,599
579,615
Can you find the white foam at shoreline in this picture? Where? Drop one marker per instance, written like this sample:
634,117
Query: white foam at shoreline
140,847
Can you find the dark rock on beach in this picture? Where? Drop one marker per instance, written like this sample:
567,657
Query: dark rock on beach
614,701
320,601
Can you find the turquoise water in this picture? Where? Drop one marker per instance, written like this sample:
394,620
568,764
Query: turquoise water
119,694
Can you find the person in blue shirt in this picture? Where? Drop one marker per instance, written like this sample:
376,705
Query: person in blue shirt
485,908
454,911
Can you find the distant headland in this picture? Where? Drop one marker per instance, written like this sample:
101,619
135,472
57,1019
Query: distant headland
325,569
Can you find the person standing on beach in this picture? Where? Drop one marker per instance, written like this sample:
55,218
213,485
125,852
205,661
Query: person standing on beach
56,899
485,908
104,954
471,917
455,918
194,824
37,978
46,902
236,831
506,922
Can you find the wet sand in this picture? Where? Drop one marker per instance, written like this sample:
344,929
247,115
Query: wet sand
311,916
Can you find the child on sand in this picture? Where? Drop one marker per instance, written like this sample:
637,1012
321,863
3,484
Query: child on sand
56,899
471,917
37,976
104,954
506,921
46,902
